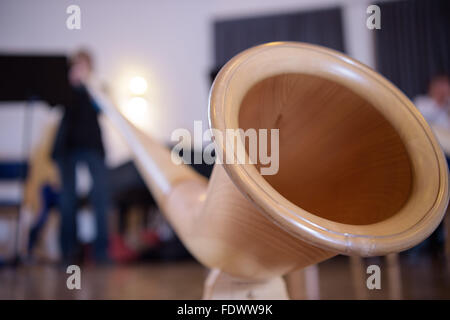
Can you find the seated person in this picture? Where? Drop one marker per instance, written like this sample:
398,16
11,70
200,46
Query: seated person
435,107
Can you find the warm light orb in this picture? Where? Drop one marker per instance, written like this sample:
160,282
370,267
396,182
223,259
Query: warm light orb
137,111
138,85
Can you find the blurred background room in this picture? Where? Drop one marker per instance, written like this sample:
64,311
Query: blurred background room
157,60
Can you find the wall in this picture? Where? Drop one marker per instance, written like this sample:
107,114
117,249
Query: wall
168,42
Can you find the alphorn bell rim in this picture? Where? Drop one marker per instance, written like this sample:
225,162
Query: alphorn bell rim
427,203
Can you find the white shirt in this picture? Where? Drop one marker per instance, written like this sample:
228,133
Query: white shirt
434,114
438,117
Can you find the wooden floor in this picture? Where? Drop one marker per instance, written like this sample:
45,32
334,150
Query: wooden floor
143,281
421,277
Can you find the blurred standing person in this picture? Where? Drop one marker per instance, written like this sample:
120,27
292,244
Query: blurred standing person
79,140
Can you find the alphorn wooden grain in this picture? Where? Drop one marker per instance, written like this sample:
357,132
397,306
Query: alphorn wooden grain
360,171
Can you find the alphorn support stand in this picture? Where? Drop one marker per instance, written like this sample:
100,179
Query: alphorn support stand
220,286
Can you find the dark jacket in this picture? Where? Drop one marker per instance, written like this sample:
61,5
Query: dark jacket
79,128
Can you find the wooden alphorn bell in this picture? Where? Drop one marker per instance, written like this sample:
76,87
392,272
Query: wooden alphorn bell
360,171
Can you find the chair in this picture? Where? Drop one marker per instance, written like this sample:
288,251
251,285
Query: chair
12,181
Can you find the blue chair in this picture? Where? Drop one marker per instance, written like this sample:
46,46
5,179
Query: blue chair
13,172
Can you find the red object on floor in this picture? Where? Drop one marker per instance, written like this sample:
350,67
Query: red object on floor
150,238
120,252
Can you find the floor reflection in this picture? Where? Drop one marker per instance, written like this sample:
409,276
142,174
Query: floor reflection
402,277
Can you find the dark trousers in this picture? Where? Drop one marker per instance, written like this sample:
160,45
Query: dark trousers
99,197
49,200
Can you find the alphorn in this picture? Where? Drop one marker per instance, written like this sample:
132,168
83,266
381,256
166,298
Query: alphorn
360,171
